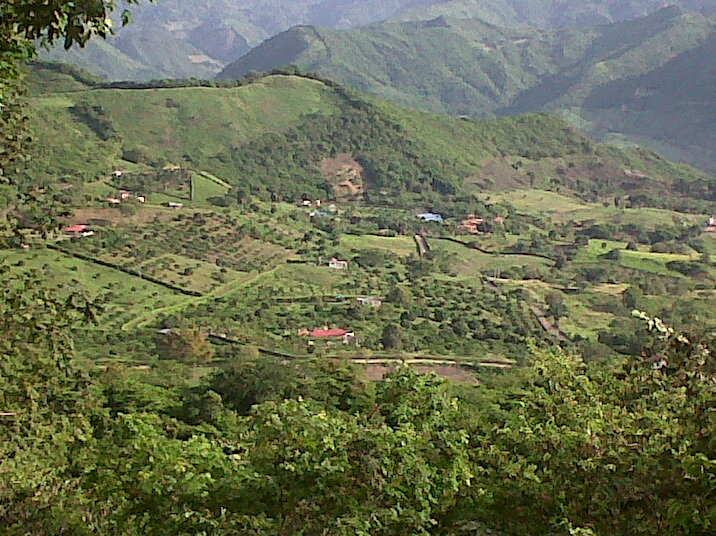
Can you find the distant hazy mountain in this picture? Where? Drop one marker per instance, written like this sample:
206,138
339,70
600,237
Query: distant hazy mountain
650,80
546,13
183,38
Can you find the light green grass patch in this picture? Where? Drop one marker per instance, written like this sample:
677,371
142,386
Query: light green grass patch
400,245
205,187
592,251
98,189
535,201
562,209
709,242
651,262
470,262
582,320
296,277
610,289
643,261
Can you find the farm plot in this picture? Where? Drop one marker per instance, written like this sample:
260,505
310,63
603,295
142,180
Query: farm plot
562,208
400,245
171,181
644,261
537,201
205,186
470,262
199,238
186,273
118,296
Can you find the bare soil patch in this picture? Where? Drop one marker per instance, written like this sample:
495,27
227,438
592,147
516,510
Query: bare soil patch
345,174
375,373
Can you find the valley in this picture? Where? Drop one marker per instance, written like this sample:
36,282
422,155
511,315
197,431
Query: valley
274,304
202,221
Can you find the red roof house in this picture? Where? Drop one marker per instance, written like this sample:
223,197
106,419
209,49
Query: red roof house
78,230
327,333
471,224
333,333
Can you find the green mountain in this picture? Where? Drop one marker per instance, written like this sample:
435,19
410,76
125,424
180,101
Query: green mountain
176,38
278,133
468,67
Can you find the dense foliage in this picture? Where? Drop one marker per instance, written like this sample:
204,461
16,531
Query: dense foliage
211,434
624,447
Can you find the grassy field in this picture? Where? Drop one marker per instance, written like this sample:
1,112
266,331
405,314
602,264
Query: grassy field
205,186
164,125
582,320
644,261
533,201
470,262
121,295
563,208
400,245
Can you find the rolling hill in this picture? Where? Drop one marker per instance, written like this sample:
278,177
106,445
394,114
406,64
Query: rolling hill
280,135
468,67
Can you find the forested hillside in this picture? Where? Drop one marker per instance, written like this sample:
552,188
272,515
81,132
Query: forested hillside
272,134
546,13
615,82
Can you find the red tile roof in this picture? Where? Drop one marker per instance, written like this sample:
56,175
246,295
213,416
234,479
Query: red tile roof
327,333
76,228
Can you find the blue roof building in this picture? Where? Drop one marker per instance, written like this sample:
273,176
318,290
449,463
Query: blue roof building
431,216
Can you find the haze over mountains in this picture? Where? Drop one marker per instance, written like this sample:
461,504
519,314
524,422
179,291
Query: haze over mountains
182,38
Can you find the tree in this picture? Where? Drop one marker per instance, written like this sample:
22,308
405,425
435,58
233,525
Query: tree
399,296
621,446
390,471
248,382
632,297
188,345
45,403
392,337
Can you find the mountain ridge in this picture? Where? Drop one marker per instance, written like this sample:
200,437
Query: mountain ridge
177,32
468,67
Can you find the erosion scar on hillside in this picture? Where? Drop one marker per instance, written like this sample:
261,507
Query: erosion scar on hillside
345,174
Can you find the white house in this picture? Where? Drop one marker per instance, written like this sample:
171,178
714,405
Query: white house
337,264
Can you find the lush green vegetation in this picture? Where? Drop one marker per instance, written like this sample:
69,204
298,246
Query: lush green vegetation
199,357
263,445
270,136
232,258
